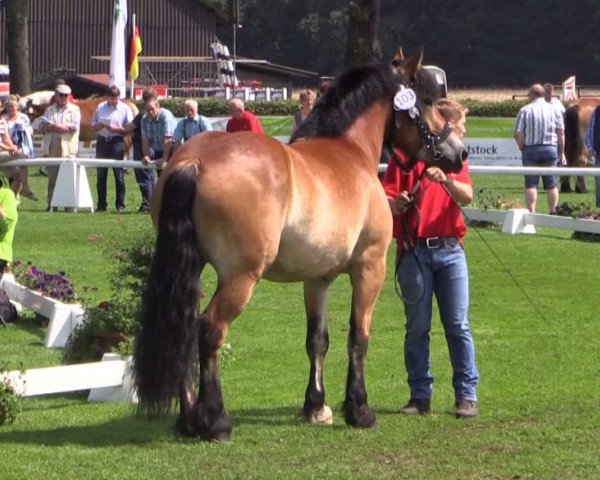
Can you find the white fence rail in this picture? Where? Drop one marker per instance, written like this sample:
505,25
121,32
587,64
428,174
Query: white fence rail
108,380
500,170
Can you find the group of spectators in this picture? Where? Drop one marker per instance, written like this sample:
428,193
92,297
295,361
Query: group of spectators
156,135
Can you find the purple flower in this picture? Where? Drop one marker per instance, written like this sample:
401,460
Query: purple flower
52,285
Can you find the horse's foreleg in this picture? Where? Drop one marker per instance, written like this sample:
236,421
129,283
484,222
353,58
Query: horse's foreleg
210,421
367,281
317,343
565,185
580,185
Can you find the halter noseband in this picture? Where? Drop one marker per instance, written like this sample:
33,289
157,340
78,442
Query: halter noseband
405,100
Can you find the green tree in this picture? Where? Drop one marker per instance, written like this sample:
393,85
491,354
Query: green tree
362,43
17,45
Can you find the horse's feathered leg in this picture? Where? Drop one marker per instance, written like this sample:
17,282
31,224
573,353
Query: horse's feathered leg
317,343
367,276
210,421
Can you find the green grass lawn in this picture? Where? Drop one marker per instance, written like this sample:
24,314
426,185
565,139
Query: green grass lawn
539,390
490,127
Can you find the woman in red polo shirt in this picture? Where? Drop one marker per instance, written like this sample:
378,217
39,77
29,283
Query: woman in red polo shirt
428,228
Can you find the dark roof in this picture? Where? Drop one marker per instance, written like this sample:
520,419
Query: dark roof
266,66
82,84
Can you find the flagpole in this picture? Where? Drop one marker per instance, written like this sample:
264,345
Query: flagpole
132,92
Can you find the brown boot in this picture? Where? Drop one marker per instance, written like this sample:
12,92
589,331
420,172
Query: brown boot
416,406
466,409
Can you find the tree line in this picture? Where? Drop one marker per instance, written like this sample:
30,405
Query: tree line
479,43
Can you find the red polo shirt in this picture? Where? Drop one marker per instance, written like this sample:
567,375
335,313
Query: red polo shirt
249,122
434,214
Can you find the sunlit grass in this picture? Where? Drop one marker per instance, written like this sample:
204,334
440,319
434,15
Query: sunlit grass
538,361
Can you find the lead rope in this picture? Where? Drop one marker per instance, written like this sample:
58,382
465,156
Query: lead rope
409,246
498,259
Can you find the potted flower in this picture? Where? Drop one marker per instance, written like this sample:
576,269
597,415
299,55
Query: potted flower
104,328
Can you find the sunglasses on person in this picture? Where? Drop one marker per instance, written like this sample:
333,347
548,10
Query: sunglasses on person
62,94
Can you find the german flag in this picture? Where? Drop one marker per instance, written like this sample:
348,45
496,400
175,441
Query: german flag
135,48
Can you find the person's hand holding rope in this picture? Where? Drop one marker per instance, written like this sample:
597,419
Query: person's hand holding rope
401,203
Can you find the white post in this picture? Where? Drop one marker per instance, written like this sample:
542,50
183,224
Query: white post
132,91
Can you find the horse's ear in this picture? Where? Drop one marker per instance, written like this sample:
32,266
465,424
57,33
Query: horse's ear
399,56
410,67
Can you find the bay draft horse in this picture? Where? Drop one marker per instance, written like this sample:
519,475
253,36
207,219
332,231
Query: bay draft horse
256,208
577,120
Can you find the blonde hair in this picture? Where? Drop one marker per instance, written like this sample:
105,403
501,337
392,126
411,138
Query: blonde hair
12,100
450,109
191,103
304,94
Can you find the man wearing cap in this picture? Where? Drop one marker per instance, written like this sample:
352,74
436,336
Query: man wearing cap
60,123
109,122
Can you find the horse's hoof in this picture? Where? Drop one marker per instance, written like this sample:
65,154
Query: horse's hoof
198,426
581,190
360,416
565,189
322,416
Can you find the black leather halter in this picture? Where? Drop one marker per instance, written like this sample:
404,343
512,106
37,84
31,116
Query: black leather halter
431,140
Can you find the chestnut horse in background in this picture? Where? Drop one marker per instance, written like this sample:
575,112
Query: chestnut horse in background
255,208
577,120
36,103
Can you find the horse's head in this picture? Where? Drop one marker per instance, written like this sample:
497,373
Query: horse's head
418,128
35,103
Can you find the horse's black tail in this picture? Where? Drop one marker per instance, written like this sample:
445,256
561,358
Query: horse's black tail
166,346
573,142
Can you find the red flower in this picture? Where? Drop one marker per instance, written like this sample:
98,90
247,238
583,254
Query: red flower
104,305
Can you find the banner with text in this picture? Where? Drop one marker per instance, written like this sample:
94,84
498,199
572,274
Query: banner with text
493,151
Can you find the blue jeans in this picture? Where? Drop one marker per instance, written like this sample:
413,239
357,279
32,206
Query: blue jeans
146,178
443,272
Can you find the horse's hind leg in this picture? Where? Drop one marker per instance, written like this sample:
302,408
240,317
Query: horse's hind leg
317,343
208,419
367,278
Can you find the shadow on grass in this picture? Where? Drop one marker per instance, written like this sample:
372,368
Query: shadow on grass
133,430
266,416
120,432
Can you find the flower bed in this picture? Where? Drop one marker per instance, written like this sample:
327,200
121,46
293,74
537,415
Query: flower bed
53,285
63,317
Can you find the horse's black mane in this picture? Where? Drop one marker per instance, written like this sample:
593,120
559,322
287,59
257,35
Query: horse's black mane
353,92
347,97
